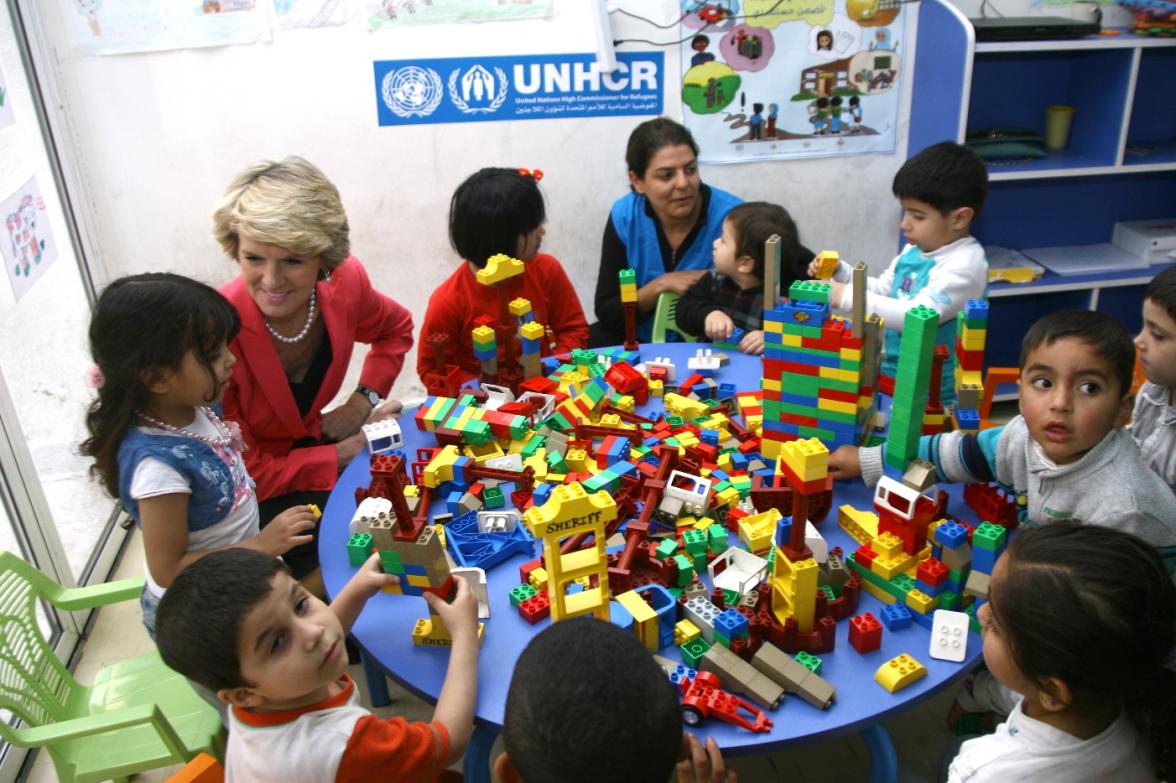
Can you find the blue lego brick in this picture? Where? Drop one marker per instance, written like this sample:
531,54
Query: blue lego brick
541,494
784,531
459,468
968,418
951,534
620,616
452,502
709,437
803,313
412,569
976,308
800,399
739,460
529,346
731,624
726,390
929,588
681,673
896,616
983,560
704,391
831,359
473,549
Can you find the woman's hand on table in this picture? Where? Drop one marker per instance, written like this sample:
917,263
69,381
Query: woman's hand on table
286,531
702,763
844,463
679,282
344,421
348,449
389,409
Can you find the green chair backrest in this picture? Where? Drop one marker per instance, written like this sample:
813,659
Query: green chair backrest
665,318
34,685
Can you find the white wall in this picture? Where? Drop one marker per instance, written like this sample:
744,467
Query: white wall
159,135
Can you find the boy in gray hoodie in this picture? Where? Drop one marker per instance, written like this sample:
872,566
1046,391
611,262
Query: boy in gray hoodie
1067,455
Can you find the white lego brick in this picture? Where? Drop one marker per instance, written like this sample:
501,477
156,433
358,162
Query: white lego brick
816,542
702,613
506,462
368,507
503,521
661,361
383,436
496,396
476,577
949,635
740,570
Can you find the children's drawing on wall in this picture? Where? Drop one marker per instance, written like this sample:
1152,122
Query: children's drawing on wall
6,115
27,244
125,26
397,13
289,14
791,78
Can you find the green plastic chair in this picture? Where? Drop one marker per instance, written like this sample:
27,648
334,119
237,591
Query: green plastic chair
665,318
138,714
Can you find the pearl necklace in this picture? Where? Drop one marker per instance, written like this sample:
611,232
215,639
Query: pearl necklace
224,440
305,327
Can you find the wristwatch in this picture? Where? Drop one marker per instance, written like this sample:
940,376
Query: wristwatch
373,396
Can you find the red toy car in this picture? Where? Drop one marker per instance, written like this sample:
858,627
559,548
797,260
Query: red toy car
703,697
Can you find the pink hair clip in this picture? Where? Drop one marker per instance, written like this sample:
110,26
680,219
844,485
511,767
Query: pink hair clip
536,174
94,377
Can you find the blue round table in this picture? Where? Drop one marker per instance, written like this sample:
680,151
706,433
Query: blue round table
384,628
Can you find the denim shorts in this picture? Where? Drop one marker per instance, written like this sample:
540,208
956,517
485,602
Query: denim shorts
149,603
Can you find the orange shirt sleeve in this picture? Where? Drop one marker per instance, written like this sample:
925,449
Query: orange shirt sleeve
405,751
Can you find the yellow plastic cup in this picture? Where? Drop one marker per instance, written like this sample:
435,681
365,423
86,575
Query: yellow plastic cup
1057,126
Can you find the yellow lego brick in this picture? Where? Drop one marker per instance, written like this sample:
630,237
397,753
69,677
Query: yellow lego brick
686,521
775,327
792,340
532,330
519,307
538,578
568,510
431,632
827,261
727,497
556,478
770,384
577,460
849,376
758,530
440,534
862,526
921,602
769,448
483,335
832,373
686,438
487,451
878,592
794,589
656,388
677,405
963,376
498,268
887,545
850,354
890,566
974,339
808,459
836,405
685,631
538,462
899,672
416,580
724,460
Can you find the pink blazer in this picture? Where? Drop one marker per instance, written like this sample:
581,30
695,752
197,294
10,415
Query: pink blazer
259,396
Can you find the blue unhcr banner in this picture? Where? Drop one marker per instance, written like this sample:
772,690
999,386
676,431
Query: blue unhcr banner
462,89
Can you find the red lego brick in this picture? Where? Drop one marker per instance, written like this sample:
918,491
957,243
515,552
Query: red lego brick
932,572
535,608
865,633
864,556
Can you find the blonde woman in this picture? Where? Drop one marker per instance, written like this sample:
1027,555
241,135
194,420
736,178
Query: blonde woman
304,302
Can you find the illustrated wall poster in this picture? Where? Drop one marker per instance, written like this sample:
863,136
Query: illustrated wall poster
398,13
535,87
289,14
6,115
27,245
791,78
123,26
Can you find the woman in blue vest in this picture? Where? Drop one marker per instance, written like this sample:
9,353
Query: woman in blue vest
664,228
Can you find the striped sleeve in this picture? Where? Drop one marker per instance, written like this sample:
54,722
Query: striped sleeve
394,749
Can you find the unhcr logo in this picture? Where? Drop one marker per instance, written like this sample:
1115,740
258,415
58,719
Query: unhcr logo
477,91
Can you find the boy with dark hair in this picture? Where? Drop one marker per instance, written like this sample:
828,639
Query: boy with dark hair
235,622
731,295
1153,422
587,702
941,190
1066,456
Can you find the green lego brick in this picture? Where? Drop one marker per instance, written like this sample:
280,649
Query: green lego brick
521,593
989,536
667,547
694,540
534,444
717,535
948,599
685,570
693,650
809,291
904,582
627,276
359,548
492,498
808,661
390,562
827,436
